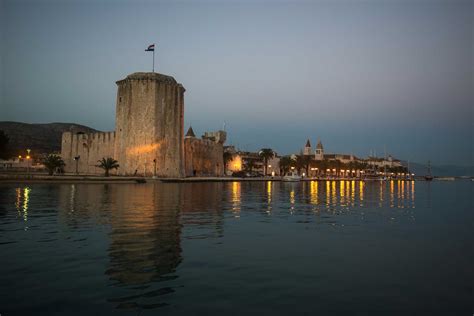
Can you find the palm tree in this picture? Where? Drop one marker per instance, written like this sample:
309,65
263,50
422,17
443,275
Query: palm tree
300,163
265,154
227,158
306,161
285,164
52,162
249,165
108,164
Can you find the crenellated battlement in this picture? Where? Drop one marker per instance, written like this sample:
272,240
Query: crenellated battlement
148,139
89,147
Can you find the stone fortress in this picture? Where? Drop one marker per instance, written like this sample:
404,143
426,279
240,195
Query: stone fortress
149,135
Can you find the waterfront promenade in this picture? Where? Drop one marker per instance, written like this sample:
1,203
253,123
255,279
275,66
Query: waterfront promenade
22,177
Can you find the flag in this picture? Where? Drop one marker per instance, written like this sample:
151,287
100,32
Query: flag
150,48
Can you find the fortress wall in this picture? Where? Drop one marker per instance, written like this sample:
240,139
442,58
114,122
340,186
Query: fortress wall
90,147
203,157
149,126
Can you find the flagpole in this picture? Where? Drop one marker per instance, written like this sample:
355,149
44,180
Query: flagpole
153,60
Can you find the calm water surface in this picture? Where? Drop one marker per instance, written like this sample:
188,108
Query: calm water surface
342,248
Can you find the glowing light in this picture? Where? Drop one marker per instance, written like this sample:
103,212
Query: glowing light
352,192
26,200
333,192
144,149
342,192
361,192
313,188
392,188
18,200
269,196
236,163
292,199
328,194
236,196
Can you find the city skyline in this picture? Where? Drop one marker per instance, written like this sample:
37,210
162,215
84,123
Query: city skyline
360,76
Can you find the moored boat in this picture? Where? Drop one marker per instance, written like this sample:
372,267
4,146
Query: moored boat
429,177
291,177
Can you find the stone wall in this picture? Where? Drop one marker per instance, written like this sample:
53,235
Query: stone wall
149,137
90,148
203,157
149,125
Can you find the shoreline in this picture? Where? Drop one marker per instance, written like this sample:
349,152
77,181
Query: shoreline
42,178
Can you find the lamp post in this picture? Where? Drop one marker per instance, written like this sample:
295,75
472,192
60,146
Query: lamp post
77,163
28,157
154,168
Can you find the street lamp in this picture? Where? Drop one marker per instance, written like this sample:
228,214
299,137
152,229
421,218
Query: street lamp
77,163
28,162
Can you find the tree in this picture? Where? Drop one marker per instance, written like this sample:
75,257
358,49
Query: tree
249,164
266,154
108,164
4,140
285,164
227,158
300,163
53,162
306,162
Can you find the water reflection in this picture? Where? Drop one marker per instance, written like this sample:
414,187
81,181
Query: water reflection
146,225
236,187
22,201
269,196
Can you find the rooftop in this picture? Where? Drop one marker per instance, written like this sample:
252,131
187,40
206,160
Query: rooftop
150,76
190,132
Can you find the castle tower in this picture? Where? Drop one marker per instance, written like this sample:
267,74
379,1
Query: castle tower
319,155
307,149
149,125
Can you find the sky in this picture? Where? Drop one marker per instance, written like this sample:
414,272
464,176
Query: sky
362,76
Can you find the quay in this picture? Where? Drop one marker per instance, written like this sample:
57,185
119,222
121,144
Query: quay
44,178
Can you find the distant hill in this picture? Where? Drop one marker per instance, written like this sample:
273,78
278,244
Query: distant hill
442,170
40,138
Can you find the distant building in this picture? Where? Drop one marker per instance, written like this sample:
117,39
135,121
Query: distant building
319,154
307,149
390,162
204,157
242,159
20,164
346,159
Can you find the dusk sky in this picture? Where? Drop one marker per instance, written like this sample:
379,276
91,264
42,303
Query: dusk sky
359,75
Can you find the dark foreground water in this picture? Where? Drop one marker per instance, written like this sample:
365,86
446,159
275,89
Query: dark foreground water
316,248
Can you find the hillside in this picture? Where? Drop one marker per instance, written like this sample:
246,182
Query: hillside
40,138
442,170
